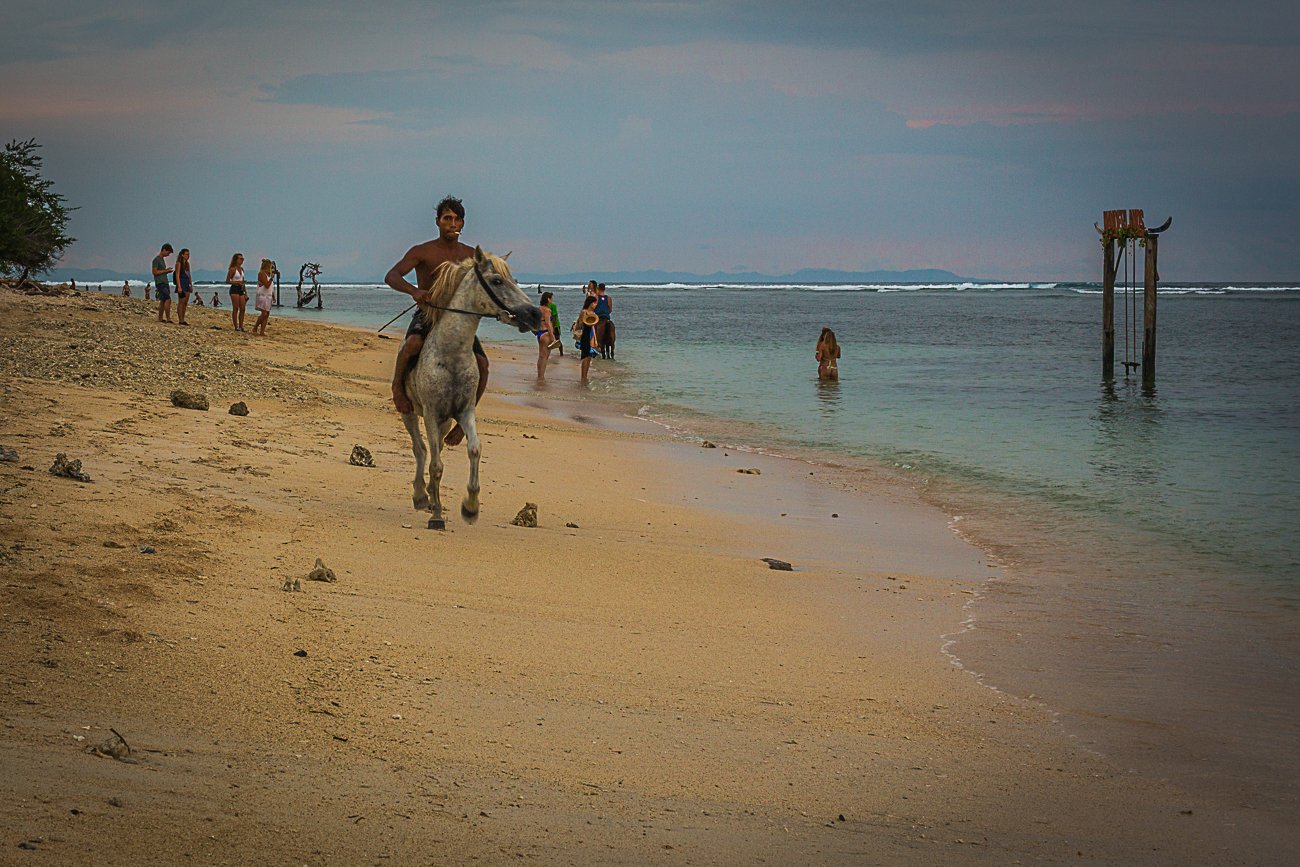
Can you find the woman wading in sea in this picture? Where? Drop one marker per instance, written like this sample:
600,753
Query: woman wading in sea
265,294
828,355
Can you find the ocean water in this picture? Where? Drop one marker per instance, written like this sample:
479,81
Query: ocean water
1152,597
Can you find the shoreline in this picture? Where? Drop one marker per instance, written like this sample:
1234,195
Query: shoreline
591,693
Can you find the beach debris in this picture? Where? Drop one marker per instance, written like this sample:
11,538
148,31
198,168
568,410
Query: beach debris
146,549
835,514
361,457
571,525
8,454
186,400
239,408
707,445
113,543
68,469
527,516
529,437
321,573
115,747
292,585
31,845
750,471
779,565
300,653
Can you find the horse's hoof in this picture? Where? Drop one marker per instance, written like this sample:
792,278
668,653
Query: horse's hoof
437,524
467,515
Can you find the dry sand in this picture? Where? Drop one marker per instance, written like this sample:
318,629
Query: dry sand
640,688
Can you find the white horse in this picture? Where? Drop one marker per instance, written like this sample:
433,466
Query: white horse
443,382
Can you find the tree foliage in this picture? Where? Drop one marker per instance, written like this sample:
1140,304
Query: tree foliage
33,218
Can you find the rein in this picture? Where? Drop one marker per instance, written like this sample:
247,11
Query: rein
486,288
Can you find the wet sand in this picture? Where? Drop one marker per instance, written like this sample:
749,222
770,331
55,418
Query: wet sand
638,688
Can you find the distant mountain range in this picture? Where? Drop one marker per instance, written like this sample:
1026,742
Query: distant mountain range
804,275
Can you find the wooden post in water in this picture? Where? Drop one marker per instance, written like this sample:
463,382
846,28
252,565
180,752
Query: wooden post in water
1152,278
1108,311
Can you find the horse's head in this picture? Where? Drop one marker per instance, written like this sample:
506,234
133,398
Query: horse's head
499,295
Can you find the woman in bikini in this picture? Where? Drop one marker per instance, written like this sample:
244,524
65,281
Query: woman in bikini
238,294
545,337
828,355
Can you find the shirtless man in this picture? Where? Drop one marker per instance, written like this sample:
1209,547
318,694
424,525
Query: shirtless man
424,259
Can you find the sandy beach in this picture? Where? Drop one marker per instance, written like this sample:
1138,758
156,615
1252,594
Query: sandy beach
628,682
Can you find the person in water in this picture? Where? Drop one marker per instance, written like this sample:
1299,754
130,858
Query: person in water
828,356
545,337
425,260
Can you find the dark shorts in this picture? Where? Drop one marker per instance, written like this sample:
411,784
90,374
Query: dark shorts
162,293
420,325
237,290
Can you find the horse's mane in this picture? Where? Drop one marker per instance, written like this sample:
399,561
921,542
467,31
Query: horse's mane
450,275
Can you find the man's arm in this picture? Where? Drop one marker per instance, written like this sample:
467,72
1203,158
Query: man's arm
396,276
157,271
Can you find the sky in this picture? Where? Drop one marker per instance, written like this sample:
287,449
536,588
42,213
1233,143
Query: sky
712,136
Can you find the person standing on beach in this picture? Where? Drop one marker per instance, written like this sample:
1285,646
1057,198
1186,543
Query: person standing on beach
160,272
828,355
265,292
216,300
126,288
238,294
425,259
604,309
184,284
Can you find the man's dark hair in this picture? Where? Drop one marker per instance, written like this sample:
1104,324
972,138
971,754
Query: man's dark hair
453,204
167,248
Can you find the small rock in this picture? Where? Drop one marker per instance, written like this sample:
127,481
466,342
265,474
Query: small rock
707,445
239,408
111,543
146,549
527,516
30,845
835,514
300,653
68,469
750,471
115,747
361,457
321,573
292,585
8,454
115,801
779,565
185,400
571,525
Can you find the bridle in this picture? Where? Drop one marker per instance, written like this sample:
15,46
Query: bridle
505,315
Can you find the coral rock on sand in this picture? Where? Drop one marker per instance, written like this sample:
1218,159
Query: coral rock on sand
321,573
361,457
527,516
750,471
7,454
239,408
185,400
779,565
68,469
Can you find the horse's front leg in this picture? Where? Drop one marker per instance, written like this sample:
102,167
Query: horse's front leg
469,505
431,424
412,422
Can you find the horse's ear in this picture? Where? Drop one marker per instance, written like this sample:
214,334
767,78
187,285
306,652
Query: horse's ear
506,257
478,254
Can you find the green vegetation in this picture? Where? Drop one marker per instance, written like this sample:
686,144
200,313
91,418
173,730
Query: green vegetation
33,218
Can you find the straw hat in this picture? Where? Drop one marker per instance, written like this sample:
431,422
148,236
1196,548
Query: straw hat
588,317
